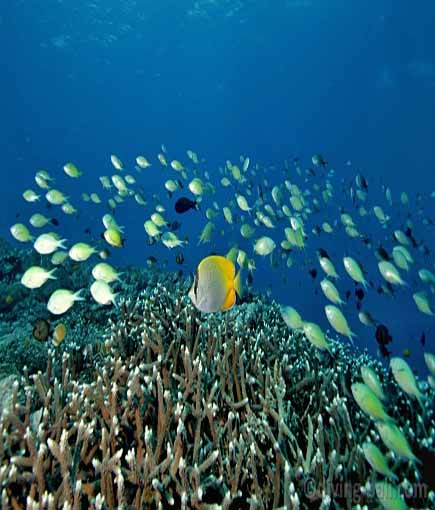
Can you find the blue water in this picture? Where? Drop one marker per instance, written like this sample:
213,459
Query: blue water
272,80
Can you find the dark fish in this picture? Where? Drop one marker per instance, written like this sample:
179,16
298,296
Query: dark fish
322,253
180,183
382,253
318,160
347,295
54,222
151,261
423,339
382,335
361,182
184,204
359,293
250,279
179,258
175,225
313,273
384,352
88,231
367,241
408,233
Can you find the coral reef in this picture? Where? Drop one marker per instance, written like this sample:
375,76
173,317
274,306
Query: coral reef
171,408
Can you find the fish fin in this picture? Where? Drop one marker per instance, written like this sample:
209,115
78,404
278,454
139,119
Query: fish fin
229,300
238,287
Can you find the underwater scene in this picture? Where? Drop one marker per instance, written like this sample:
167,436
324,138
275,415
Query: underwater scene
217,271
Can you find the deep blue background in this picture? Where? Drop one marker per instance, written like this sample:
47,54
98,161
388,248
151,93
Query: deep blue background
272,80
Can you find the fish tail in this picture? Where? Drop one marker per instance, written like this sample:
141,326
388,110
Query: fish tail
77,295
392,475
420,398
238,284
350,336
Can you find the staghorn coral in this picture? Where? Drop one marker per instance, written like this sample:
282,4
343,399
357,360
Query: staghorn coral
189,411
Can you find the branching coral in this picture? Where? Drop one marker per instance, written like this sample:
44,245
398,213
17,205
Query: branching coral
194,411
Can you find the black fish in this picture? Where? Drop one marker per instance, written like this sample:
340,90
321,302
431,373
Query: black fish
88,231
382,335
367,241
54,222
408,233
359,293
179,258
318,160
385,353
151,261
423,339
250,279
382,253
313,273
361,182
322,253
175,225
184,204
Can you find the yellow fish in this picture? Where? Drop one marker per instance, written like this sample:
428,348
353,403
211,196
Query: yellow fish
216,284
